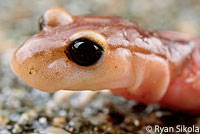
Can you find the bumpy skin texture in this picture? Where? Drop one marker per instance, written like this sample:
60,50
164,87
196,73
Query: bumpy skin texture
149,67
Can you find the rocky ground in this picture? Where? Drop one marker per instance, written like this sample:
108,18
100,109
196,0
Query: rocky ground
26,110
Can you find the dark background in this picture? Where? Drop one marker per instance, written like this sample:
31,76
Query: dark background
23,109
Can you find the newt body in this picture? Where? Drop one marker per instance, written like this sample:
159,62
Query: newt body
97,52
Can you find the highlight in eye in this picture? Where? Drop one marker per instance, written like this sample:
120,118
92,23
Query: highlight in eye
84,52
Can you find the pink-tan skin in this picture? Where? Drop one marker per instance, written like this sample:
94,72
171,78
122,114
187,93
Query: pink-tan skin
149,67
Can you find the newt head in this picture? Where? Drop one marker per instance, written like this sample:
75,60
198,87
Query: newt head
76,53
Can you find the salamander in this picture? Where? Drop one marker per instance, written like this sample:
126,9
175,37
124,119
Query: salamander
101,52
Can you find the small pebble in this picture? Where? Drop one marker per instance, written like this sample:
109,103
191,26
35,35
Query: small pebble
62,96
128,120
59,122
4,131
17,129
96,129
71,129
98,119
160,114
54,130
49,112
43,120
3,121
137,123
28,117
62,113
76,122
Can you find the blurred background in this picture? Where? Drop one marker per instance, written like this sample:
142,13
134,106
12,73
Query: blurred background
26,110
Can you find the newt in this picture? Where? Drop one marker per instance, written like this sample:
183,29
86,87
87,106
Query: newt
98,52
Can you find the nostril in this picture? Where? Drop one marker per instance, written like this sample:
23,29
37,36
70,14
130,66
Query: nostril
32,71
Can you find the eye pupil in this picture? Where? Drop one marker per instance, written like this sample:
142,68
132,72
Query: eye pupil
84,52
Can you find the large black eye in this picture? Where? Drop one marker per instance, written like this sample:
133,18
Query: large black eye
84,52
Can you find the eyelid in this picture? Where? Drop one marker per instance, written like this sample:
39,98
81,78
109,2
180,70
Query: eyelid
91,35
